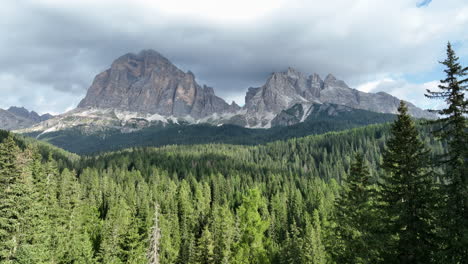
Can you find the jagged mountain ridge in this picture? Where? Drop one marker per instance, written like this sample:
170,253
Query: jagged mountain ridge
283,90
19,117
140,89
147,82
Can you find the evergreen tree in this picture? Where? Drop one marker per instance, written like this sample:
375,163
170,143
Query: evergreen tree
314,249
170,238
37,226
10,214
114,233
292,252
98,209
454,130
133,250
408,194
223,233
356,217
250,249
186,223
205,248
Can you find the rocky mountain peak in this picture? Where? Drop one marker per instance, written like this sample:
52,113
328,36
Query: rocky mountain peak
149,56
143,63
148,85
330,78
19,117
148,82
21,111
208,90
31,115
332,82
285,89
251,92
293,73
315,78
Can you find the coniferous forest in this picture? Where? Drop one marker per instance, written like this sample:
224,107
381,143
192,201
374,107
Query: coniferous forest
386,193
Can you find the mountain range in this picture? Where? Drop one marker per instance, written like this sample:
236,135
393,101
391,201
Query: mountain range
144,89
19,117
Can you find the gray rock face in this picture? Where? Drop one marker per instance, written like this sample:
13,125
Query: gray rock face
147,86
327,109
149,83
19,117
300,112
250,94
283,90
207,103
23,112
337,92
289,117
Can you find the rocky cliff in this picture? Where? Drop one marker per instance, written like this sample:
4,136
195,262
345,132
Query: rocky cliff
147,82
284,90
145,88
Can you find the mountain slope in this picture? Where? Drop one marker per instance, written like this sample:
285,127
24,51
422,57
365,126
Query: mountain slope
323,118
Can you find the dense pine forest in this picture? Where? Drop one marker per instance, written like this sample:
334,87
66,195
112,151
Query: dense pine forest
387,193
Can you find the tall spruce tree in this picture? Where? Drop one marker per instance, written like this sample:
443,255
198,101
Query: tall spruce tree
313,247
292,251
454,130
205,248
36,238
408,194
10,215
356,217
251,245
223,233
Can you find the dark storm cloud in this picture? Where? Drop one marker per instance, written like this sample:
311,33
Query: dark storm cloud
58,48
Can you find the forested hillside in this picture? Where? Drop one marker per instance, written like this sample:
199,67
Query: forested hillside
213,203
387,193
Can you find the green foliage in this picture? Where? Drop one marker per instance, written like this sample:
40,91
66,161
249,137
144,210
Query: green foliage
11,186
205,248
217,203
408,195
356,218
252,228
314,246
454,131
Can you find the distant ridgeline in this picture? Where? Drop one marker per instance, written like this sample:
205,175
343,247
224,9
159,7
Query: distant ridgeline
324,119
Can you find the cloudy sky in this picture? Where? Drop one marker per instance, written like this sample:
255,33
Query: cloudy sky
50,50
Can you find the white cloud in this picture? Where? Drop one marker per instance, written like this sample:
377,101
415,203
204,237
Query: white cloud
239,11
230,45
411,92
17,91
236,97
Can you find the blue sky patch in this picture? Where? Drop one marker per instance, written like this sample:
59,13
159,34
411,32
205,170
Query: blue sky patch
423,3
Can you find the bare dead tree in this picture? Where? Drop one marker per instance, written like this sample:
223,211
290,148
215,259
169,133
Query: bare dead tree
155,237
